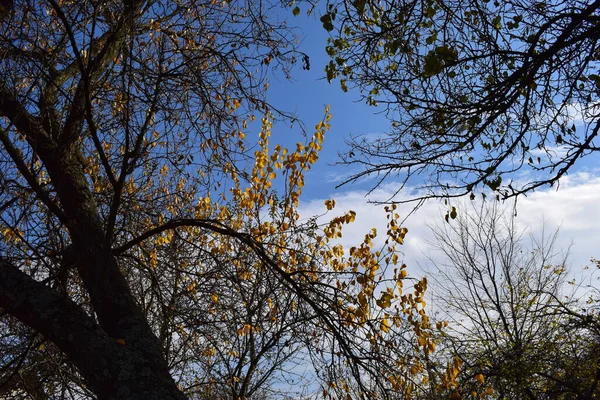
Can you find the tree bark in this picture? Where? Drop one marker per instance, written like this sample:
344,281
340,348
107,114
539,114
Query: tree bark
112,370
135,370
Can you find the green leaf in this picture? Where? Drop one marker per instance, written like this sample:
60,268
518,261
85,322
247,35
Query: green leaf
494,184
447,54
433,65
296,11
360,6
453,213
327,21
437,59
595,78
393,46
343,85
497,22
330,71
431,39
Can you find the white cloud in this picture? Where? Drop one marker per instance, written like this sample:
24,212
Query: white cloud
339,174
573,113
579,114
369,215
552,152
371,136
574,207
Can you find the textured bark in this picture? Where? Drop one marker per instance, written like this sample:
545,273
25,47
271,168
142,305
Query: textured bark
137,369
112,370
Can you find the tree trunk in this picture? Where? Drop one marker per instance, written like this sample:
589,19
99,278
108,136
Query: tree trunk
119,356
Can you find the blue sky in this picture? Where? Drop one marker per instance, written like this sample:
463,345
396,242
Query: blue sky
572,207
307,94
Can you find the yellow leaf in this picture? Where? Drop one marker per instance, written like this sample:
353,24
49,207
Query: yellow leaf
330,204
350,216
386,300
385,325
479,378
392,380
120,341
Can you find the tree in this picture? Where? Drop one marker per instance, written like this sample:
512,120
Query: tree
475,91
510,312
229,328
145,251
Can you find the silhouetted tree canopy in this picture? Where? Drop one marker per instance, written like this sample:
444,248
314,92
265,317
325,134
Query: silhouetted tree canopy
474,90
150,245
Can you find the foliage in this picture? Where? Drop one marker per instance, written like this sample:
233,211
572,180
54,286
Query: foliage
150,247
511,312
474,90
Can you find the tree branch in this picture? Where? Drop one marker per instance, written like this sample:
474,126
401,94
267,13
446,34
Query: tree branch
113,370
52,315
